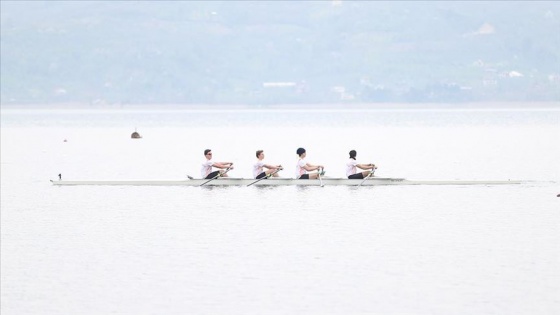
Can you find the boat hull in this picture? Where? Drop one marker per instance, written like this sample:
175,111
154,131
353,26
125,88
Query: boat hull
376,181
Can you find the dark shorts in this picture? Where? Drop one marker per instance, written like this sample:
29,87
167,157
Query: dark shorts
356,176
304,176
212,175
261,175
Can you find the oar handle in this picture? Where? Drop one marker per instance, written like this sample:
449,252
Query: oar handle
227,170
217,176
275,171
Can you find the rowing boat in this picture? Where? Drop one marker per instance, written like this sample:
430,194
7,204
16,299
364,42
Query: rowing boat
374,181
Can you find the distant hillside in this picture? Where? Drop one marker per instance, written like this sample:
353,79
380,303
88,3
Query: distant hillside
274,52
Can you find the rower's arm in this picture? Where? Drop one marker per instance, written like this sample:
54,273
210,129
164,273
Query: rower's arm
273,167
311,167
365,166
222,164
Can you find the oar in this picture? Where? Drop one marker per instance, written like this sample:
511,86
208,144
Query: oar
370,175
320,179
269,175
217,176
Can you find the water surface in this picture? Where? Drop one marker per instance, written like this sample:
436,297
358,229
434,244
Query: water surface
281,250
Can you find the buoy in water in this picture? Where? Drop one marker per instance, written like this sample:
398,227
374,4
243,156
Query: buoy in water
135,135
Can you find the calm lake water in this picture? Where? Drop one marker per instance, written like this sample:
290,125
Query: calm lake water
281,250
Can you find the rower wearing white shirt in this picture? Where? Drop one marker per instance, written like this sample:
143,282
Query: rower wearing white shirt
206,170
352,167
303,167
259,166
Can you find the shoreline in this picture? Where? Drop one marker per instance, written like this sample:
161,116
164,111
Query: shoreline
297,107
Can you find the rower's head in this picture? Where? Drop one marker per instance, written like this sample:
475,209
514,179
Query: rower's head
259,153
300,152
208,154
352,154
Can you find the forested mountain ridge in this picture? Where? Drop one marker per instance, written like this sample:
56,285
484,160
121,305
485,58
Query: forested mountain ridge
272,52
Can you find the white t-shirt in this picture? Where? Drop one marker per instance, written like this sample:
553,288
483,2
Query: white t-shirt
299,168
351,168
257,168
206,168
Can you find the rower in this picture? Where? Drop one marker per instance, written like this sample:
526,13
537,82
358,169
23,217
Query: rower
303,167
258,167
352,167
206,170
